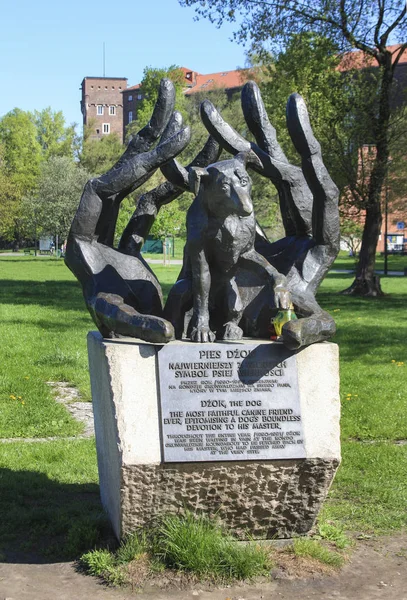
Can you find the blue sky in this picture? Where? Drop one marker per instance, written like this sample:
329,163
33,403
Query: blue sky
47,47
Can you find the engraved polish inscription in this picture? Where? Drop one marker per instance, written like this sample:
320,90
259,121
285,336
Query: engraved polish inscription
229,401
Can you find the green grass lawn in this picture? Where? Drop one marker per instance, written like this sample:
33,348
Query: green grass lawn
44,326
44,323
395,262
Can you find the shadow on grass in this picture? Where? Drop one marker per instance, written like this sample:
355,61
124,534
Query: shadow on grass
65,295
45,521
51,325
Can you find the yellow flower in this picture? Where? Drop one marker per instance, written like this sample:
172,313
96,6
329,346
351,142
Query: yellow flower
26,378
22,402
393,361
400,364
19,397
12,397
337,309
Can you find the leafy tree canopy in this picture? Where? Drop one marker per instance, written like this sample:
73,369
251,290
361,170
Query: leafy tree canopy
53,206
55,138
149,89
363,24
98,156
21,149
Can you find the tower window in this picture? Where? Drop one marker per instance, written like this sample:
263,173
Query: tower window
106,127
100,109
130,98
112,110
130,116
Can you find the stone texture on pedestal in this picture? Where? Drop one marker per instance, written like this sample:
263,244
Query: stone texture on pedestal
265,499
273,499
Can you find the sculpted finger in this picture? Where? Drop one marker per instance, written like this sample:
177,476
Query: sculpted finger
208,155
178,175
161,114
166,150
113,316
130,174
229,138
222,131
143,218
174,125
258,122
325,213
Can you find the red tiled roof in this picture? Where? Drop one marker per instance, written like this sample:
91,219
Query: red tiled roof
224,80
356,59
196,82
189,78
133,87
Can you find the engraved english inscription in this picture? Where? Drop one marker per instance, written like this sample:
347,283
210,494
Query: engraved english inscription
229,401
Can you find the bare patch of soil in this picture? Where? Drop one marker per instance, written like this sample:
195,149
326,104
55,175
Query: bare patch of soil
290,566
376,569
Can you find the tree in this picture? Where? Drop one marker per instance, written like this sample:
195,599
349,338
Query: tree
55,138
53,205
98,156
170,221
9,202
366,25
149,89
20,159
351,234
21,149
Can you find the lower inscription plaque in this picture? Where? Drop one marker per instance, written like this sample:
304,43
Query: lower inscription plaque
229,401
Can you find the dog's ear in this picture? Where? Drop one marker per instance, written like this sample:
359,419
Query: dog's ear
249,159
195,176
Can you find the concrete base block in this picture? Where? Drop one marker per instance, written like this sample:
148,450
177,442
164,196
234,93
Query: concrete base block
260,499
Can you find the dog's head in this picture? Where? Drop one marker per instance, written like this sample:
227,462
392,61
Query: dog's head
225,186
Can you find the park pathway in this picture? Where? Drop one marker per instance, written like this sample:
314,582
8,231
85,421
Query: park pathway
377,570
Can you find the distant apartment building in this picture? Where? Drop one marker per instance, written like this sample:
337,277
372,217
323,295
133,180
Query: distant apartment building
102,105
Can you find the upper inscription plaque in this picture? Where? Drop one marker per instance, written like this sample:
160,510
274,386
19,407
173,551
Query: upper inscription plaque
229,401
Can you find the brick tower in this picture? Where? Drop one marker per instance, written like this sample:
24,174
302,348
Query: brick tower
102,105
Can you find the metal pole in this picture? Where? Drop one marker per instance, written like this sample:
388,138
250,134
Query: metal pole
386,202
35,233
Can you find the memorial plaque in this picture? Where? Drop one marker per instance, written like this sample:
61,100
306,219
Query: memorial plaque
229,401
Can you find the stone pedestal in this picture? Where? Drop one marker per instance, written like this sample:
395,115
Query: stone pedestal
260,498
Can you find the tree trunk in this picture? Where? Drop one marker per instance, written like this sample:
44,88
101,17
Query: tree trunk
366,283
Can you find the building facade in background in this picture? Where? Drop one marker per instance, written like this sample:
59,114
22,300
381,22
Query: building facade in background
102,105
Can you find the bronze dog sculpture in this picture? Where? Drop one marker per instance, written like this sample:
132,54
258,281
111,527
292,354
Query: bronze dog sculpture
221,232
